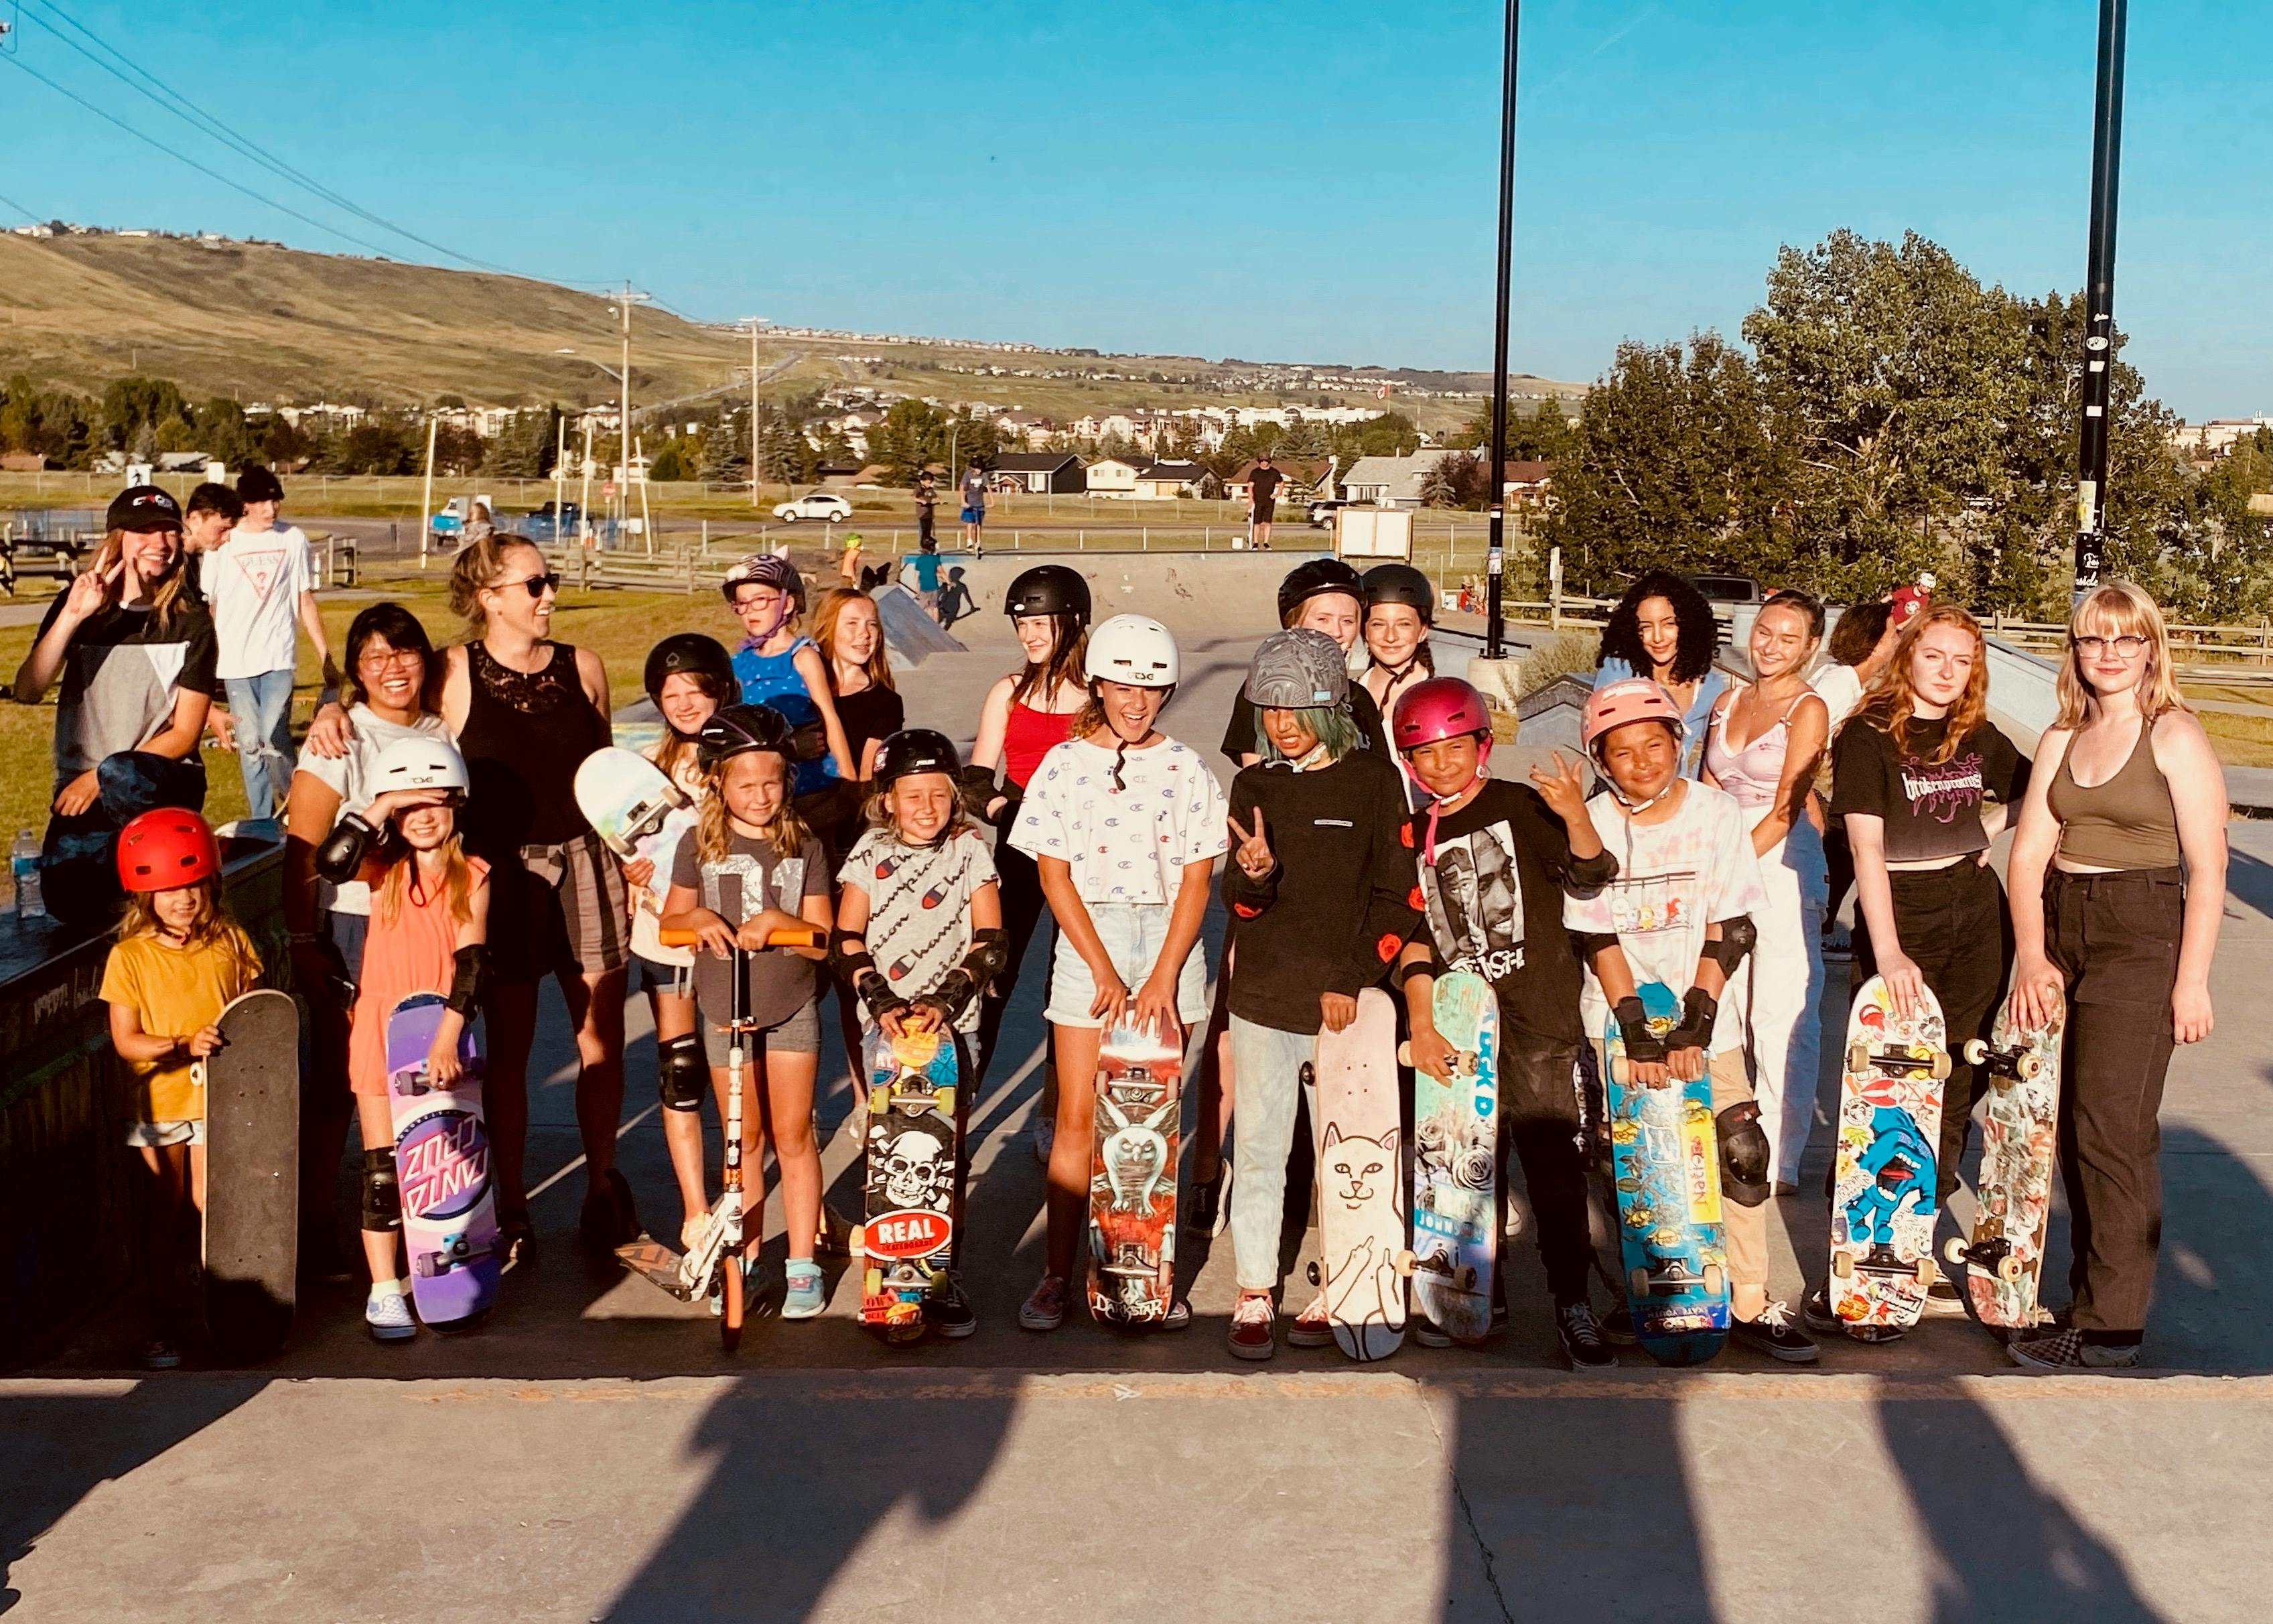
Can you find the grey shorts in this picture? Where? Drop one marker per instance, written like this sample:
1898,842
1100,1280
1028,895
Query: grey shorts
648,975
800,1034
157,1135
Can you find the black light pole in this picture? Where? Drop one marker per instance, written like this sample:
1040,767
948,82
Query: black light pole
2099,303
1496,560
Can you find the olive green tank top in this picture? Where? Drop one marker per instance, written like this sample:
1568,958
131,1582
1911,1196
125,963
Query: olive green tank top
2127,823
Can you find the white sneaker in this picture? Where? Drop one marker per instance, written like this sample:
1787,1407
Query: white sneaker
386,1313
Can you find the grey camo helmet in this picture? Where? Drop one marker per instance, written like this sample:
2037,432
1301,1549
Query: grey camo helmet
1298,670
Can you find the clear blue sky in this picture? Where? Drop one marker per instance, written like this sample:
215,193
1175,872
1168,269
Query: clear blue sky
1309,181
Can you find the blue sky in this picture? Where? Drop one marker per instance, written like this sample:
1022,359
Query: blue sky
1307,181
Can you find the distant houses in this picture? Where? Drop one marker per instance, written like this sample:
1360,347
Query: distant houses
1038,473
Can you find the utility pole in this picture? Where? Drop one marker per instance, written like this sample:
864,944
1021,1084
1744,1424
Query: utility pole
624,299
1498,679
754,321
2100,305
426,502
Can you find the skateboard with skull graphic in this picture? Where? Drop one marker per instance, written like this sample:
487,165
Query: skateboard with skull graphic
1132,1177
914,1156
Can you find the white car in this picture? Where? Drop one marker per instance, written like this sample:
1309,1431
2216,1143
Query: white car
814,505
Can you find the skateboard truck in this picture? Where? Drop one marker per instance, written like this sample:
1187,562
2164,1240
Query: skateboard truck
456,1251
1994,1254
1900,1062
2007,1065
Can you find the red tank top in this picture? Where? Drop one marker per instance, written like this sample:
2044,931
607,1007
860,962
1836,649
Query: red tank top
1028,736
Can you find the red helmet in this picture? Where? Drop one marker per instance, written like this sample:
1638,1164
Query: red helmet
1629,699
165,850
1440,708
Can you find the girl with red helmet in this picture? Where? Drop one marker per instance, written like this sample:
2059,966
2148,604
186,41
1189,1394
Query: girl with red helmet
1680,913
178,961
1497,859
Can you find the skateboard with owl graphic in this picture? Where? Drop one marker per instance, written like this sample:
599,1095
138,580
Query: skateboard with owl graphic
1132,1178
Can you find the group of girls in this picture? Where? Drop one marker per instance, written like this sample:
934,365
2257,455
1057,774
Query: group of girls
2117,877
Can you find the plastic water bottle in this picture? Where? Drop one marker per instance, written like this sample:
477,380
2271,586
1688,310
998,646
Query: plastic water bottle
24,865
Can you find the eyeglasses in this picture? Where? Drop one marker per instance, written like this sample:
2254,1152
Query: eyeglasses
379,659
2129,647
536,586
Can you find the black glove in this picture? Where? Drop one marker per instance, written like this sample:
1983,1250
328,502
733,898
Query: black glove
1642,1044
1695,1030
975,786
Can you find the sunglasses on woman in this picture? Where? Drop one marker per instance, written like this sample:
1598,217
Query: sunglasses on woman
536,586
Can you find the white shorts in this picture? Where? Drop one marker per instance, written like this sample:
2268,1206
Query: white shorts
157,1135
1132,932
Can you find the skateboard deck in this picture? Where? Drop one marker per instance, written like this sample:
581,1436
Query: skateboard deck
2020,1140
1132,1176
1456,1164
1883,1200
253,1200
913,1146
1362,1257
1665,1166
442,1160
626,797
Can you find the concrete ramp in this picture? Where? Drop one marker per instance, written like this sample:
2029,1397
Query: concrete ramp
912,634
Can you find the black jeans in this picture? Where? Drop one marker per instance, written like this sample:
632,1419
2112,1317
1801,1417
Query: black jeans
1020,888
1839,866
1539,1121
2115,938
1954,925
924,522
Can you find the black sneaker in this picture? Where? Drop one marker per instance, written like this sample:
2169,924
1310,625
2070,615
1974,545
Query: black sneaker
1581,1334
948,1311
160,1353
1426,1331
1179,1316
2066,1350
1815,1311
610,1217
1618,1327
1943,1298
1775,1335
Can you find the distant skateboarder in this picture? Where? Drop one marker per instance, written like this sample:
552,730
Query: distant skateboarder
974,509
926,507
1263,484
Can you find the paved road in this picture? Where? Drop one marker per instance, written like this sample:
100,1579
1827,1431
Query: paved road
592,1454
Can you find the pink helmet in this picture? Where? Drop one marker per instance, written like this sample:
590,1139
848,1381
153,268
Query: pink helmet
1629,699
1440,708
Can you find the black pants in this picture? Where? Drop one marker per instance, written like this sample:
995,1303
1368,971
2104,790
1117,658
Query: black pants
1020,888
1839,866
1539,1121
2115,938
1954,925
924,521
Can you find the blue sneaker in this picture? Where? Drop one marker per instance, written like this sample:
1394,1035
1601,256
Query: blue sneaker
805,1297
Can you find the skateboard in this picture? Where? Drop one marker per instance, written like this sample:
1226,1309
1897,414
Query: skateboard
1132,1176
914,1147
1363,1260
442,1162
2005,1258
252,1201
1665,1166
1456,1163
636,811
1883,1201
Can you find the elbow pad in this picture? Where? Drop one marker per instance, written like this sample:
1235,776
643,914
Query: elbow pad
1586,875
1589,942
468,966
1737,937
340,858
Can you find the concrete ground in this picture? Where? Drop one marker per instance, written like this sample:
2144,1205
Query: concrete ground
591,1454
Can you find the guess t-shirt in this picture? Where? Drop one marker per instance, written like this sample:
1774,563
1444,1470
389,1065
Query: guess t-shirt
253,582
918,908
1932,809
1674,878
749,878
1128,844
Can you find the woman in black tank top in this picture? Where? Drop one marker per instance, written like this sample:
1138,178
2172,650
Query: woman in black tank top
527,711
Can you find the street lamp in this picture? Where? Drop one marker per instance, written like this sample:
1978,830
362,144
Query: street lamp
1494,562
2100,305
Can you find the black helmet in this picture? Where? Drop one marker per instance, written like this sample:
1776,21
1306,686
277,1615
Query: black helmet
1048,589
915,749
1315,578
691,654
1401,584
737,730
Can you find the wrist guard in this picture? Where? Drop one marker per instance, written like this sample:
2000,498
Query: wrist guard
1695,1029
1642,1044
856,968
468,965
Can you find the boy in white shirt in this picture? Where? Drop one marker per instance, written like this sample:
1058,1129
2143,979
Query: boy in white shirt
259,582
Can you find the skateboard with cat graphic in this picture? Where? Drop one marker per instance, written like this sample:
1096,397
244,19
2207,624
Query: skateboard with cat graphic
1132,1176
1455,1163
1362,1257
1665,1165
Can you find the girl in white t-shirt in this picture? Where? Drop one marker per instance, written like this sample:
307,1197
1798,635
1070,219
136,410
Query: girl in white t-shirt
1125,825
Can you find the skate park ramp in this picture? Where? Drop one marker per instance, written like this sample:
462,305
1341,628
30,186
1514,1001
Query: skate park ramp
912,634
1201,596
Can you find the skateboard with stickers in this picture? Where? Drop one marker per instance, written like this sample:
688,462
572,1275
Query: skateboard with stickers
1363,1257
442,1162
2004,1256
1884,1200
914,1151
1456,1163
1132,1176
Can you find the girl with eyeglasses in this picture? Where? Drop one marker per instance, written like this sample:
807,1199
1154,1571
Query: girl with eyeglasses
2118,883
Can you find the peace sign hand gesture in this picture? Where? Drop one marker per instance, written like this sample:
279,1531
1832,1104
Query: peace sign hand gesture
1253,851
90,590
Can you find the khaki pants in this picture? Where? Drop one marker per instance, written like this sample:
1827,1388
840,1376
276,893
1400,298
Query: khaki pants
1744,1228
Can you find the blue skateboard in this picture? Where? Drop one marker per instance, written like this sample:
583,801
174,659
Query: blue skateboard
1456,1164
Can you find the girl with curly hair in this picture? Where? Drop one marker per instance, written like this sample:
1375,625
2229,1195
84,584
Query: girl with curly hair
1663,629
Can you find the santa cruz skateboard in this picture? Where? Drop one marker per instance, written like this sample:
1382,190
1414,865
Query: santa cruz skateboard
1882,1194
1132,1176
1362,1257
914,1147
1665,1166
2004,1255
252,1149
442,1162
1456,1163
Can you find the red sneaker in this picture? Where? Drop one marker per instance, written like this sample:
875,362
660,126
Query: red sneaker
1254,1326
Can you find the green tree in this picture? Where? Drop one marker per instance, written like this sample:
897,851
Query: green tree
1459,480
1544,435
525,447
677,460
133,403
456,450
914,434
724,458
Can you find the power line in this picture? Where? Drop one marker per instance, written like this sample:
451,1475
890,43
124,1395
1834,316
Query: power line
19,208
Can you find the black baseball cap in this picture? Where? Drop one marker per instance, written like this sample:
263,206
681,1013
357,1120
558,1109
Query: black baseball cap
257,485
144,507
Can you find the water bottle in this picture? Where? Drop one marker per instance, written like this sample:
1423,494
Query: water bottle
24,865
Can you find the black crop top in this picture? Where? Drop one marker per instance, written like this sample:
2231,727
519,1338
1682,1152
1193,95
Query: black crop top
1931,810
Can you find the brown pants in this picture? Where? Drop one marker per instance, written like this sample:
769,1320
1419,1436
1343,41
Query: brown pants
1744,1229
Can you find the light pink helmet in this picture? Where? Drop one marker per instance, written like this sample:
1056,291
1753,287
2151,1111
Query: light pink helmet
1629,699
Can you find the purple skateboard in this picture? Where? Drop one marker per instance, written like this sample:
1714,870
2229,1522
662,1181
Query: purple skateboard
442,1158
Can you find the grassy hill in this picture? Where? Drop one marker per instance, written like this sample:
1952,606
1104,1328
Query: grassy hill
261,321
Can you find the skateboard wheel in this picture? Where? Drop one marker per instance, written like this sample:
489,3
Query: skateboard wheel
1714,1279
1313,1273
2008,1269
1843,1264
879,1101
1404,1056
1637,1284
1858,1057
1404,1262
2028,1068
856,1239
1976,1051
1953,1249
1467,1278
944,1104
1940,1064
1928,1271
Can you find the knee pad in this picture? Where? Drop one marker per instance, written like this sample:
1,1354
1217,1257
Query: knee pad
681,1073
382,1195
1743,1153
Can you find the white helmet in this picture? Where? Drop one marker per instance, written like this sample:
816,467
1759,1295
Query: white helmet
426,762
1133,648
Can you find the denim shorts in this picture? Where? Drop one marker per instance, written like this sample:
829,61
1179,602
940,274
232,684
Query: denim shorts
1132,932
